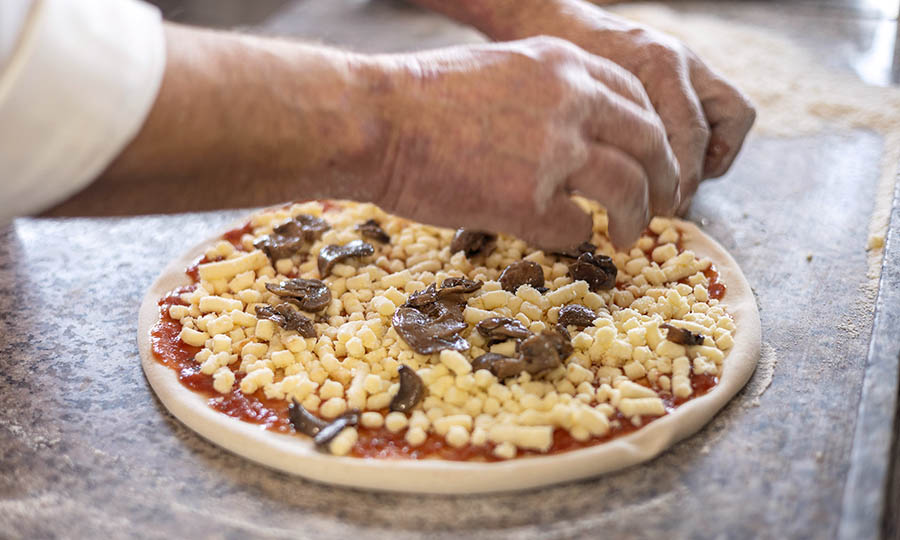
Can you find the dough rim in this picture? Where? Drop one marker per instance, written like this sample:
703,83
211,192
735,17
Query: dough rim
295,455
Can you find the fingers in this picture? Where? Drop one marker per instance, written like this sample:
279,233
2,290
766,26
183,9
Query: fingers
730,116
619,183
562,225
687,130
639,133
618,80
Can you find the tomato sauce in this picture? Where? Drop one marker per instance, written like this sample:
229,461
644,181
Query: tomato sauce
170,351
234,235
716,288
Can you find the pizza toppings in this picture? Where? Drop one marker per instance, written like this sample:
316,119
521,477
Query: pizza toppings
372,229
473,243
332,254
576,315
502,328
544,351
430,326
306,294
411,390
499,365
288,318
598,271
303,421
292,236
428,346
336,427
522,273
537,354
431,320
682,336
576,251
455,287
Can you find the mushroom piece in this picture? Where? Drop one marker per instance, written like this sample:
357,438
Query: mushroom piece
576,315
545,351
304,421
430,328
291,236
537,354
288,318
453,288
329,432
372,229
431,320
576,251
501,328
598,270
332,254
473,242
682,336
306,294
522,273
311,425
411,391
501,366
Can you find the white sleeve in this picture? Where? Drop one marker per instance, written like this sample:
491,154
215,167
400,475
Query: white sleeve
75,88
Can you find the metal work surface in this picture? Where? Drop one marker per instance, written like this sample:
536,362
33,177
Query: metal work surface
87,451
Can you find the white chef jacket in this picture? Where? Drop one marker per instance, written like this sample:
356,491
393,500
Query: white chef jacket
77,80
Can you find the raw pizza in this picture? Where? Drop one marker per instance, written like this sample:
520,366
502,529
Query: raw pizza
335,341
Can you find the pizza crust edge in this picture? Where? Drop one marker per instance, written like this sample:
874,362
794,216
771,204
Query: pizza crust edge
298,456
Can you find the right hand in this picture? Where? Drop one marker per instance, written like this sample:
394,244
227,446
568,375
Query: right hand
497,137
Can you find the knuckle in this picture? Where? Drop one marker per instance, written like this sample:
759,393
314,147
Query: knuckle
554,49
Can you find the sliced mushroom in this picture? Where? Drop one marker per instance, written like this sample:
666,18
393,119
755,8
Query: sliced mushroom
598,270
576,315
292,236
544,351
522,273
329,432
453,288
501,366
537,354
304,421
288,318
502,328
473,242
682,336
372,229
431,319
311,425
306,294
411,391
576,251
432,329
332,254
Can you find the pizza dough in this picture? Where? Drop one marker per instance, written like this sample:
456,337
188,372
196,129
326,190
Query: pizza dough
297,455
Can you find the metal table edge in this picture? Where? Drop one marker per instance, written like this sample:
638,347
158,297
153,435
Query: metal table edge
866,511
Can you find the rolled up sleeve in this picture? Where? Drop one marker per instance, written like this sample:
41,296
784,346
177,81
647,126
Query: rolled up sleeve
75,88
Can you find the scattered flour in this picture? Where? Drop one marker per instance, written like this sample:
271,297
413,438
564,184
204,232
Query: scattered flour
762,378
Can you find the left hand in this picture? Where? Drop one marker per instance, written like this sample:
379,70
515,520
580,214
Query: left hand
706,118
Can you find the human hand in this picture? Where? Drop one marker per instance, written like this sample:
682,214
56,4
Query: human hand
706,118
497,137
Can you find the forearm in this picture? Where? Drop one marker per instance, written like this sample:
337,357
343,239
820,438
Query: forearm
241,120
